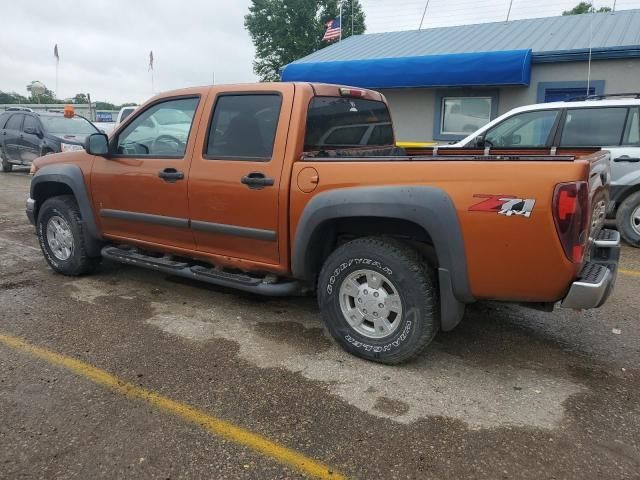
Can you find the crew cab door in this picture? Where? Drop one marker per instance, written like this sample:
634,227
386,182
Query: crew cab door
11,137
30,140
140,190
236,198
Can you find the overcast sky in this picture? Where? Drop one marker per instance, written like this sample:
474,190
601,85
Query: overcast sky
104,44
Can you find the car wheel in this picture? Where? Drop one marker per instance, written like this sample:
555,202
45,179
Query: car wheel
6,166
628,219
59,229
378,299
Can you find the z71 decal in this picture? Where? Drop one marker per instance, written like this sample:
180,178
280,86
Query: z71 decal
504,205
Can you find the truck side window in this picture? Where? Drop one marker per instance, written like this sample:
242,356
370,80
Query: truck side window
161,130
243,127
632,132
593,127
528,129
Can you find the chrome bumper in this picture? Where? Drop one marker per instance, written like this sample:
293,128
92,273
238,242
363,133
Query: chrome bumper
598,276
31,210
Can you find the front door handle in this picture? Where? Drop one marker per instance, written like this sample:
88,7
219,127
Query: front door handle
626,158
171,175
256,180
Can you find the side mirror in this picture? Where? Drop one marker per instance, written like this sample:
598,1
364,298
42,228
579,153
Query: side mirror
97,144
479,141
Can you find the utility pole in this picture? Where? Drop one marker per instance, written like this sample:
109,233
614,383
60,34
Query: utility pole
423,14
352,15
614,6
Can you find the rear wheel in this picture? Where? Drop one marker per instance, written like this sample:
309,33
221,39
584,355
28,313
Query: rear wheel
628,219
378,300
59,229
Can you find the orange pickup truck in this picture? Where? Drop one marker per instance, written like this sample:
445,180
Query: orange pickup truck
287,188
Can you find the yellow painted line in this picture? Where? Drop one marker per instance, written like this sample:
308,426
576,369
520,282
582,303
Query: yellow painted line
208,422
633,273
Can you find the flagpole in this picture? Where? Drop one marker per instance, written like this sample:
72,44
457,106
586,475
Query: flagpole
340,39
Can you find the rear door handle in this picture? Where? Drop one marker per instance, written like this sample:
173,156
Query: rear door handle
626,158
171,175
256,180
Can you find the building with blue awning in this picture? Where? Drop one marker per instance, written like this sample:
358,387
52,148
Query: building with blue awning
443,83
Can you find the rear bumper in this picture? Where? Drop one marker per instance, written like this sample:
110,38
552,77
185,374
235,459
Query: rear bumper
598,276
31,210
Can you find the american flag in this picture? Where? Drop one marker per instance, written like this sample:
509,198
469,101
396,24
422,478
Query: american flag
333,29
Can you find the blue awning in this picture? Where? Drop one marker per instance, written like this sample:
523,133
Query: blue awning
512,67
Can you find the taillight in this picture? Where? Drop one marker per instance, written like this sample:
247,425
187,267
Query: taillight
352,92
571,215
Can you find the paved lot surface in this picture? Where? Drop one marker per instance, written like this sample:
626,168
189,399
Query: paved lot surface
511,393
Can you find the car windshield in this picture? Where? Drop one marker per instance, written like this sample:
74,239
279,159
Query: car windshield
68,126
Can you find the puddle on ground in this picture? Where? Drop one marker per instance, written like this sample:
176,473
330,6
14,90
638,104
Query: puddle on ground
436,384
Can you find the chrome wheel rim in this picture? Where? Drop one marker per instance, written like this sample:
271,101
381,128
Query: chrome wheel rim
59,237
370,304
635,220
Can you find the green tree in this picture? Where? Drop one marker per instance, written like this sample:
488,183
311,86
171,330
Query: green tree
12,98
80,98
585,7
286,30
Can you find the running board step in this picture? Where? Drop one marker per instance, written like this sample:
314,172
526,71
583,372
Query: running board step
165,264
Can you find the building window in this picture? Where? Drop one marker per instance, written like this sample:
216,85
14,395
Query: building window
461,112
562,91
464,115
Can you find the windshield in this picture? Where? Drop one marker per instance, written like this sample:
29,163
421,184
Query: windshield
338,122
68,126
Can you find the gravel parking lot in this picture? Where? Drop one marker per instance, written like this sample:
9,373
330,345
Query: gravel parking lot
511,393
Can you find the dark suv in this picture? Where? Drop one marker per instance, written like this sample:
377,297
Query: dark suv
25,136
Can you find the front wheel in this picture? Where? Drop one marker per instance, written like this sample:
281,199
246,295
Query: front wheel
628,219
6,166
378,300
59,229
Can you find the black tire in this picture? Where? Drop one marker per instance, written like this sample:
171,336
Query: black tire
6,166
407,274
78,262
626,215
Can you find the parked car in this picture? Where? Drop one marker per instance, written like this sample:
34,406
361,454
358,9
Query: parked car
25,136
123,114
611,122
395,246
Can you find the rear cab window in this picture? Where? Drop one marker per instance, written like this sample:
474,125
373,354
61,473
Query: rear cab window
340,122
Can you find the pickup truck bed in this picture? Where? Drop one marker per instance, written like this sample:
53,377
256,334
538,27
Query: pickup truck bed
267,188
